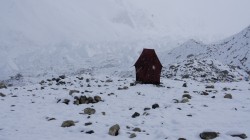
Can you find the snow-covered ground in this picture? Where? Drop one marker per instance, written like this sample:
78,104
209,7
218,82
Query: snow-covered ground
37,111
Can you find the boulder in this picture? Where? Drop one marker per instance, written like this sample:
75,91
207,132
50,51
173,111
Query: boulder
228,96
68,123
133,135
208,135
2,85
154,106
114,130
186,96
89,111
136,114
2,95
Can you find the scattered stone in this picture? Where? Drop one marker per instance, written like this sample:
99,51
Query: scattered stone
109,80
210,86
146,108
97,98
89,111
228,96
90,132
136,114
122,88
2,95
208,135
73,91
242,136
62,76
68,123
186,91
175,100
66,101
181,139
184,85
103,113
184,100
50,119
204,93
132,84
133,135
2,85
213,97
186,96
114,130
87,80
137,129
88,123
154,106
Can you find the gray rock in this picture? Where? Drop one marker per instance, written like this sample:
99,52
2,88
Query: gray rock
228,96
83,100
133,135
89,111
208,135
136,114
90,132
242,136
184,100
97,98
137,129
154,106
181,139
184,85
2,95
66,101
210,86
186,96
2,85
88,123
114,130
68,123
73,91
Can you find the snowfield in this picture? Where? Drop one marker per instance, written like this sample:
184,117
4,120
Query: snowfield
37,111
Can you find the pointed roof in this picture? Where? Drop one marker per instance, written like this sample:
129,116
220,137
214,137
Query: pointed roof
148,56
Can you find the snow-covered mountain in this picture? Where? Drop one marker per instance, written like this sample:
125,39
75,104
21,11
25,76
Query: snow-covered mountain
234,51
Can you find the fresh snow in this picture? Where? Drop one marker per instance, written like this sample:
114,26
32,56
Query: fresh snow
25,110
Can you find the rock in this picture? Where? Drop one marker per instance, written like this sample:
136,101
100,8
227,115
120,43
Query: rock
154,106
137,129
208,135
175,100
2,85
66,101
73,91
136,114
90,132
90,100
133,135
103,113
68,123
204,93
87,80
185,76
184,85
132,84
242,136
184,100
88,123
228,96
109,80
83,99
97,98
181,139
114,130
122,88
186,96
146,108
2,95
62,76
89,111
210,86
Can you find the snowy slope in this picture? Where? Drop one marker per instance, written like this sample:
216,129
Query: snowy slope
234,51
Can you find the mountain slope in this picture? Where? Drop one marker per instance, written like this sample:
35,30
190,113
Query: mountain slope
234,51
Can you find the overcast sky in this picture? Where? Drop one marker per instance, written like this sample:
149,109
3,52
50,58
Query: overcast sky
208,19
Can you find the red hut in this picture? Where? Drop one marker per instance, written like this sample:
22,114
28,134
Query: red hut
148,67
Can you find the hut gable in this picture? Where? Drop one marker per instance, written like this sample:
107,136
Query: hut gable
148,67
